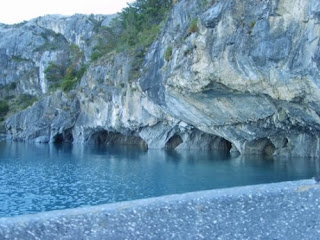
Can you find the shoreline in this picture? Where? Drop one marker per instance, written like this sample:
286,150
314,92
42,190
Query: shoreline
277,210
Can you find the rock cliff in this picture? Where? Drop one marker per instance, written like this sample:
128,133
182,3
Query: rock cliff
28,48
229,74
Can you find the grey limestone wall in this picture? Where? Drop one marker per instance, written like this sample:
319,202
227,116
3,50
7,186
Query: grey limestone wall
288,210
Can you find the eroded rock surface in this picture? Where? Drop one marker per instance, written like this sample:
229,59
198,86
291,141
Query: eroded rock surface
249,74
245,79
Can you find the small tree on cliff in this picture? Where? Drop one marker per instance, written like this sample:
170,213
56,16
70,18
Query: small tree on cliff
136,27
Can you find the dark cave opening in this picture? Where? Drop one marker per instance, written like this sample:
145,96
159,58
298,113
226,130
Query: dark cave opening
99,137
261,146
112,138
65,137
269,148
58,138
198,140
219,143
173,142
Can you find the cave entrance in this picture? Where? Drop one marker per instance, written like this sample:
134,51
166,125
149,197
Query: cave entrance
219,143
269,148
173,142
58,138
112,138
65,137
206,141
198,140
261,146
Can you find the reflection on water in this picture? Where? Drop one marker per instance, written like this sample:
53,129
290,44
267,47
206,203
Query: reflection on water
37,177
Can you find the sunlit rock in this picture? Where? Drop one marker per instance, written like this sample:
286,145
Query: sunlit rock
245,79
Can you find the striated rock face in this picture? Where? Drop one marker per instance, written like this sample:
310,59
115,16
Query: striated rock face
110,102
28,48
25,52
79,29
250,73
50,119
245,78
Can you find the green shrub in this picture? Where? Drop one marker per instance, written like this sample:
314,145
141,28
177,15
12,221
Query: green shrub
4,107
136,26
251,26
75,51
137,62
12,86
26,100
95,55
54,72
18,59
72,77
80,72
68,84
146,37
64,77
168,54
193,26
15,103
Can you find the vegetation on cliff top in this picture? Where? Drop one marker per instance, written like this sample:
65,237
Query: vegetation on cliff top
136,27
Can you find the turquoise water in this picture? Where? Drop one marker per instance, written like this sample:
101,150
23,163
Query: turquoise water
36,178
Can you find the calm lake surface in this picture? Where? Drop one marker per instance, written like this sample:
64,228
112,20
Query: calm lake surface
36,178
